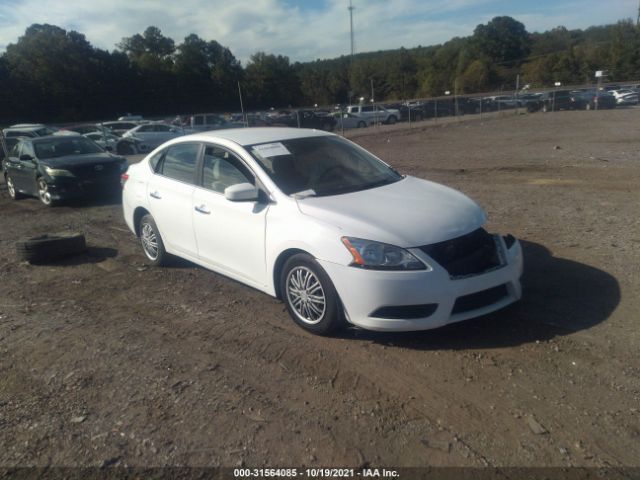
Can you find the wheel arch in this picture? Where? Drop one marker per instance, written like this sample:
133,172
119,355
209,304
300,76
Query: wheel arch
138,213
279,264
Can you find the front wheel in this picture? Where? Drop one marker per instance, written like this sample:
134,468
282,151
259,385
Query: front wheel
310,296
361,124
392,120
11,188
151,241
44,194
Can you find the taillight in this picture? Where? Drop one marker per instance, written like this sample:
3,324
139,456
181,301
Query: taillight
123,179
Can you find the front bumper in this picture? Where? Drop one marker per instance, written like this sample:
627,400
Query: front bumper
364,292
69,188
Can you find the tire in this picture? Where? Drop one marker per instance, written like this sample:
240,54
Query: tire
126,148
151,241
47,248
320,315
43,193
13,193
392,120
362,124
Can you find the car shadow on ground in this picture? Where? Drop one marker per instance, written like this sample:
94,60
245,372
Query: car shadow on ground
560,296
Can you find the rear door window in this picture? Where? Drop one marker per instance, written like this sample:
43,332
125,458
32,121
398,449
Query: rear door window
179,162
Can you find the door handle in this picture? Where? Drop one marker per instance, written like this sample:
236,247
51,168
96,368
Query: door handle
155,195
203,209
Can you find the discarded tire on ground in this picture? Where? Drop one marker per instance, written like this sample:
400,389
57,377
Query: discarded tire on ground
47,248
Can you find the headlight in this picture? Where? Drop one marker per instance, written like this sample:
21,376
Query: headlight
380,256
56,172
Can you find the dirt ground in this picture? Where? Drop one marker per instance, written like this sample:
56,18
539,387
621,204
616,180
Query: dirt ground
105,360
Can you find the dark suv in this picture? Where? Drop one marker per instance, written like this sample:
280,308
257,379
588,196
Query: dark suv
557,100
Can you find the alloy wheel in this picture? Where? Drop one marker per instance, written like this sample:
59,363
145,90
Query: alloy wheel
149,241
11,188
43,192
306,295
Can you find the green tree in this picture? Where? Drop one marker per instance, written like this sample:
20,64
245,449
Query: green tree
502,40
271,81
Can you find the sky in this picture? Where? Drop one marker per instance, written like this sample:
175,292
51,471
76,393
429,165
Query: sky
303,30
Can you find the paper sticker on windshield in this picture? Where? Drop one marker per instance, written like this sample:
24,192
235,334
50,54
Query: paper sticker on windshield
267,150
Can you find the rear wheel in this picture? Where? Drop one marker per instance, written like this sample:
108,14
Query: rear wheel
392,119
310,296
151,241
361,124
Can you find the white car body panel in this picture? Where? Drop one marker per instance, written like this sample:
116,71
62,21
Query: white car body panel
408,213
243,240
231,237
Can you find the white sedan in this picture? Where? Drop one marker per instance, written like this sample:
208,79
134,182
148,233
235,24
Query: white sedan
324,225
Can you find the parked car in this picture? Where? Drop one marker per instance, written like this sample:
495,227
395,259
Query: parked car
149,135
108,141
348,120
208,121
625,97
504,102
316,220
557,100
14,133
88,128
120,128
29,130
375,113
59,167
592,99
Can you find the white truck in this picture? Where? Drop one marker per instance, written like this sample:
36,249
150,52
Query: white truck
375,114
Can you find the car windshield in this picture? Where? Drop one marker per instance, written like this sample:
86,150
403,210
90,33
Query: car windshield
60,147
327,165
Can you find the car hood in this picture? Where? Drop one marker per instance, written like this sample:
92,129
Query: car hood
409,213
78,160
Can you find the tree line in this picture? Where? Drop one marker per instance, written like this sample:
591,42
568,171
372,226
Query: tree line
51,74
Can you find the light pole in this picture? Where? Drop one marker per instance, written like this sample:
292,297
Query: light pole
553,107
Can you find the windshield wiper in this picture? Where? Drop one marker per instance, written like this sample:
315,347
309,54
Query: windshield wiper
304,194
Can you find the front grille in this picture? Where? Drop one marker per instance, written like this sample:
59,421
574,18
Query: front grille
100,171
471,254
480,299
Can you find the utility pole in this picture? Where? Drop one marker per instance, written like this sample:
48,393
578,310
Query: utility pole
351,8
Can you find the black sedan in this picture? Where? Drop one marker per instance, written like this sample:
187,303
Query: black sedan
55,168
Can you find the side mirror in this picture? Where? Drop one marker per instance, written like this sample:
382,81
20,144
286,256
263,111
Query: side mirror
242,192
26,157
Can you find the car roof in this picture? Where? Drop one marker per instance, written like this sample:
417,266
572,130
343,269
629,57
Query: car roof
255,135
24,128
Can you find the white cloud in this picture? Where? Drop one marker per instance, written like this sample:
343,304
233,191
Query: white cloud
247,26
